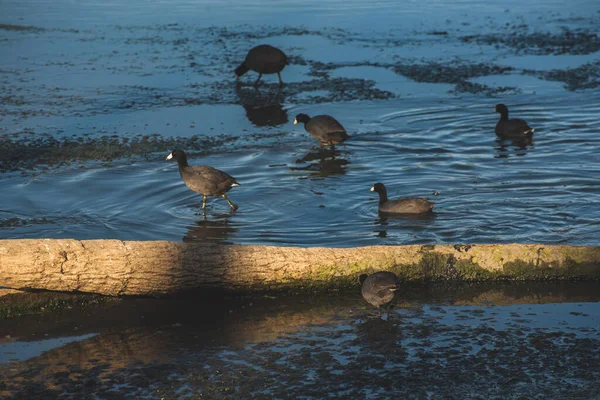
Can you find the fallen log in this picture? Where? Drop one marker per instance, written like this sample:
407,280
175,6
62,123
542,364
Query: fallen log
114,267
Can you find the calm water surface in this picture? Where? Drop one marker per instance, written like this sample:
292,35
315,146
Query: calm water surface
409,83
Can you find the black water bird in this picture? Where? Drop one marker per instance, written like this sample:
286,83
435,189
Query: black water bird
401,206
324,128
205,180
378,289
263,59
515,128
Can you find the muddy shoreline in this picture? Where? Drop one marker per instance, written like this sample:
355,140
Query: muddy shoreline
18,303
264,346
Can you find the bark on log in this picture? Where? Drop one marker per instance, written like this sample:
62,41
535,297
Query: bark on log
114,267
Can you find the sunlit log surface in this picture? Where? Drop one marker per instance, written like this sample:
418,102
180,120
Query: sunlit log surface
114,267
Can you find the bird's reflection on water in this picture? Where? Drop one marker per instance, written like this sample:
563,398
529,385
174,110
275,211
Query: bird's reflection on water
323,162
263,107
380,335
507,147
411,222
211,229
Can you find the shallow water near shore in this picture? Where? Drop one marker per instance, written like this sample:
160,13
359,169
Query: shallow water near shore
465,341
96,97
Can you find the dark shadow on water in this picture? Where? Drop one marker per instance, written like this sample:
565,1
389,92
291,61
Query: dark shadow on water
323,162
516,147
263,107
210,228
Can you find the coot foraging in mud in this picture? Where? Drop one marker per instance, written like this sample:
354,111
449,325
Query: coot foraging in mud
511,128
401,206
378,289
203,179
263,59
324,128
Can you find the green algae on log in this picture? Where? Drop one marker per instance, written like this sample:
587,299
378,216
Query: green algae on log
114,267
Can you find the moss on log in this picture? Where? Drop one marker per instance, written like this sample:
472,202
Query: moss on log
113,267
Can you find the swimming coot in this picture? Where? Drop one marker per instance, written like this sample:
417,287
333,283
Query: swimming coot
263,59
203,179
379,288
511,128
324,128
401,206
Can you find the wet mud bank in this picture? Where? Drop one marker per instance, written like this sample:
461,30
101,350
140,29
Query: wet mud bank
153,268
523,336
32,153
14,303
91,311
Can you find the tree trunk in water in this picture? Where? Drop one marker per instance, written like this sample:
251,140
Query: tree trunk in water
114,267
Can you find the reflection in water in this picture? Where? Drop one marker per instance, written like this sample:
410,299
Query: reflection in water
266,115
383,218
215,230
323,162
413,222
379,335
263,108
518,146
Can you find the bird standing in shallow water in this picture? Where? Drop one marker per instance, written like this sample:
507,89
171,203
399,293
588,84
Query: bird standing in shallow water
263,59
515,128
379,288
324,128
203,179
414,205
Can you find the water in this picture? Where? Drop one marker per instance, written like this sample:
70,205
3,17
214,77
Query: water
472,341
96,95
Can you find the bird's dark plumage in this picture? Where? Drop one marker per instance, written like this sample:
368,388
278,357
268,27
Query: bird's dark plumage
202,179
263,59
378,289
401,206
324,128
511,128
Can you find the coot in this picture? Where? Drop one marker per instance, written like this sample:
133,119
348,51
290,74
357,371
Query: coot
511,128
203,179
379,288
401,206
263,59
324,128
